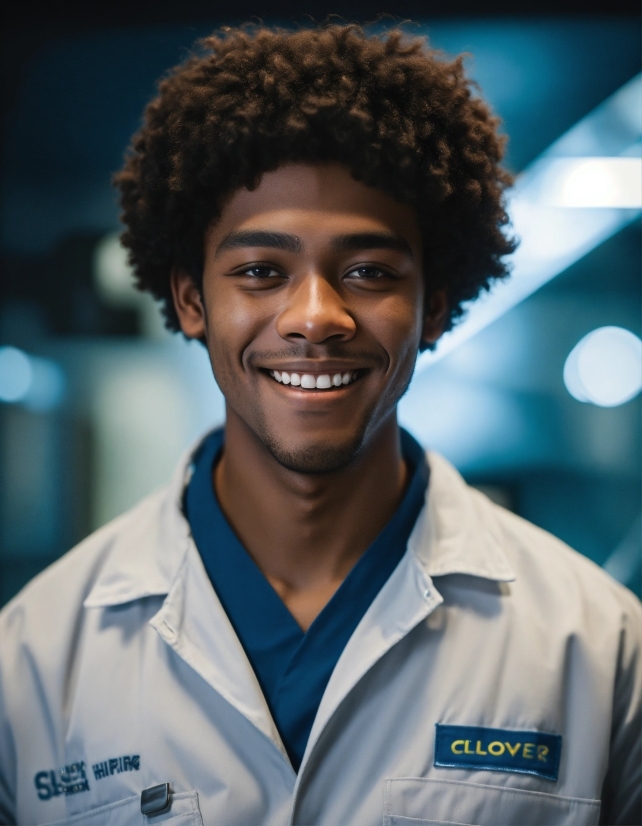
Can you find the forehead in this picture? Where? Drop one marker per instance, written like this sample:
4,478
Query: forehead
319,198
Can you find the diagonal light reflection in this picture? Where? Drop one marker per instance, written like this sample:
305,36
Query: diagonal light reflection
553,236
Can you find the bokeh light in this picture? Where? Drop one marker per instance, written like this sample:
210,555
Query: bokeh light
48,385
605,367
15,374
36,383
113,274
595,183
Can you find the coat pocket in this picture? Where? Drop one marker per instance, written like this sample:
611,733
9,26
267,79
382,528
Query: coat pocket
418,801
183,811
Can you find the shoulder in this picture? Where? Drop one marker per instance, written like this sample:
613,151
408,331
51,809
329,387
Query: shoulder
567,595
550,565
48,608
471,534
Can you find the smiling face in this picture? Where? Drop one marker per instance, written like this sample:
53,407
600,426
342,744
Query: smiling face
312,311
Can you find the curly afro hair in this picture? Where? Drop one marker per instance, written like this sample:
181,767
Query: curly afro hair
398,114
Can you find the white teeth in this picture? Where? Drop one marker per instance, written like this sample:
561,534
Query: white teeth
308,381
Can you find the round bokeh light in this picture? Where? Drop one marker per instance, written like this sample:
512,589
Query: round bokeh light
605,367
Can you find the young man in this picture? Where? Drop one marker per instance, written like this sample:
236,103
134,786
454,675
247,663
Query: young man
315,624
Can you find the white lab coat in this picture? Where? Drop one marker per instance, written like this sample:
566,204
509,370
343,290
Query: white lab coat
119,670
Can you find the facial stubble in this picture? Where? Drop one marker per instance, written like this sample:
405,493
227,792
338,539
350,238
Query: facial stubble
326,457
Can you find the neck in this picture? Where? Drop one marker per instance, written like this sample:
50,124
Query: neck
306,531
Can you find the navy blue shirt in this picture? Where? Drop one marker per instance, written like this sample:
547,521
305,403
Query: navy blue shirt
292,666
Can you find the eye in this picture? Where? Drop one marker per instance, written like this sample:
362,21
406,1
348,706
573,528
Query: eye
262,271
369,272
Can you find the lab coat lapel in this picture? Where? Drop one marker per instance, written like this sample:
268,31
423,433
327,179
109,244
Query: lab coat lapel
157,556
456,532
194,624
407,598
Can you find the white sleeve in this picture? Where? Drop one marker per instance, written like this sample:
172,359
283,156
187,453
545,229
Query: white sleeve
622,791
7,762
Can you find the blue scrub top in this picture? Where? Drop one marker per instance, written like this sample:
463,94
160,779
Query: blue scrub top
292,666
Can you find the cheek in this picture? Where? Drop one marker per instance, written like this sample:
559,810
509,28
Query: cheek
224,332
233,321
397,325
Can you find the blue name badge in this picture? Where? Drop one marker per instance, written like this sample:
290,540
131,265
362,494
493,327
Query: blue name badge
498,749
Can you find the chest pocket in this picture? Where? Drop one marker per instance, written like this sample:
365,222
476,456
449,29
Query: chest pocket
417,801
183,811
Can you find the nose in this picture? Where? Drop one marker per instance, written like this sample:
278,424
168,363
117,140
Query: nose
315,312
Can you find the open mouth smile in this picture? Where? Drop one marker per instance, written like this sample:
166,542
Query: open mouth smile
320,381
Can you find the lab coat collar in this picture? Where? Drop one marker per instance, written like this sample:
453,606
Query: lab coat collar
146,546
149,552
457,532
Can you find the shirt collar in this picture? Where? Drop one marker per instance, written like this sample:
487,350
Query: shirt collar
458,531
142,551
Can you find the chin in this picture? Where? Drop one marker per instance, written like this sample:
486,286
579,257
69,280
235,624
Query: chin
314,458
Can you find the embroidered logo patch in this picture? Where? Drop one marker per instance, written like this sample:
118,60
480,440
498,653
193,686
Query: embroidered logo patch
498,749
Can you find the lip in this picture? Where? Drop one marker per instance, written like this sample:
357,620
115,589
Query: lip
315,368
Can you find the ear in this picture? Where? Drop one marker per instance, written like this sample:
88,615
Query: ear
435,319
188,304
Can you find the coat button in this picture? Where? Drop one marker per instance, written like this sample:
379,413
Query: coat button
155,799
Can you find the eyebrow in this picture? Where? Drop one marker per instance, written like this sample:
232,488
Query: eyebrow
292,243
260,238
372,241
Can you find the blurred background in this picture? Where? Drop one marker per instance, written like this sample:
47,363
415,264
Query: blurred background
535,397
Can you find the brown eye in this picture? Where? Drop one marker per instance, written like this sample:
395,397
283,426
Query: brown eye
261,271
369,273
